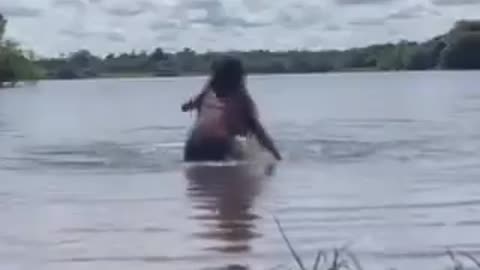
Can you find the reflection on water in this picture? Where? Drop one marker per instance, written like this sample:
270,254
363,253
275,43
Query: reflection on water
223,197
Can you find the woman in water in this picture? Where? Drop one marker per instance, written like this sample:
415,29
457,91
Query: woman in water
225,111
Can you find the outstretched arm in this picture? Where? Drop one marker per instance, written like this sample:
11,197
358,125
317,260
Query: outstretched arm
195,102
264,139
257,128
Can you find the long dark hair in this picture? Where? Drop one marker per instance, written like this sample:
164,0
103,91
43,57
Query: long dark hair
228,76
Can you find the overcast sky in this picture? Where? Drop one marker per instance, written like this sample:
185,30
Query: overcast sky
51,27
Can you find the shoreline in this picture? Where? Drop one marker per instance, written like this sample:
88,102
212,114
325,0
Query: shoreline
447,51
123,76
258,74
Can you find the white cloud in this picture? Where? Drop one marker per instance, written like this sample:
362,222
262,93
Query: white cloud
19,9
364,2
128,8
455,2
54,26
413,12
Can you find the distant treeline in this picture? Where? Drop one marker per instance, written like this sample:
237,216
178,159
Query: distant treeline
15,65
459,48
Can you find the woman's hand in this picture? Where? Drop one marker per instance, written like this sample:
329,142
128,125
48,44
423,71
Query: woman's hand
187,106
196,101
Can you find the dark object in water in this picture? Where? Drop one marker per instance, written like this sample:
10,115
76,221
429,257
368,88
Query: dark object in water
207,150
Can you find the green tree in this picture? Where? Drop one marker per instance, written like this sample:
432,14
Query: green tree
187,60
463,52
3,22
15,66
463,46
82,59
459,48
158,55
110,56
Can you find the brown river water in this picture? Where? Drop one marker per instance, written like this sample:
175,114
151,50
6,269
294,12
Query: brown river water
387,163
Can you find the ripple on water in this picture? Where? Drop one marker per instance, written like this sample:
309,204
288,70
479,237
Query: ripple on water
99,230
361,208
365,140
157,128
335,142
99,157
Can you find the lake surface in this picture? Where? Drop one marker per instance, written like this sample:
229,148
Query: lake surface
91,174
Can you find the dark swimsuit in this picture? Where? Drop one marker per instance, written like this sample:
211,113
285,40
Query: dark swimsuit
207,150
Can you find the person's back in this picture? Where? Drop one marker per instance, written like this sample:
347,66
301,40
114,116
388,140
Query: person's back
225,110
225,116
218,122
212,117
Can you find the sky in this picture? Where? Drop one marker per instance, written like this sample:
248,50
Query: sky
52,27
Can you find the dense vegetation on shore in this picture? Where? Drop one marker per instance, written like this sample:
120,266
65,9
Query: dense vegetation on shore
15,64
459,48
